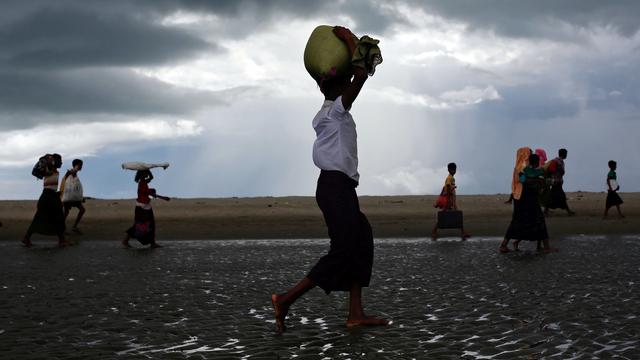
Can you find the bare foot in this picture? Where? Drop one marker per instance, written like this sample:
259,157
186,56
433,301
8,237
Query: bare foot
26,242
503,249
125,244
515,245
366,321
280,312
64,243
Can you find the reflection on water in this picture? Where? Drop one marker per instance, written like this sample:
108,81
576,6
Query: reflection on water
210,299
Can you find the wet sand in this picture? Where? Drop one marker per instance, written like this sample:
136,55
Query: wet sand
210,299
299,217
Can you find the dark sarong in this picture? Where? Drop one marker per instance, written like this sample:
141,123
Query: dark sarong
557,198
144,226
350,257
527,222
49,218
613,199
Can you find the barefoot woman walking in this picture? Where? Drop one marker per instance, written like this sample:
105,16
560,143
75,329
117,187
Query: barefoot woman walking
49,218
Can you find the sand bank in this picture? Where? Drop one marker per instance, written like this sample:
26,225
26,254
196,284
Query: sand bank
299,217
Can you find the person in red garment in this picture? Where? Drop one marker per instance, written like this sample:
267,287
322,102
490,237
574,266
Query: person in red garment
144,224
557,197
447,200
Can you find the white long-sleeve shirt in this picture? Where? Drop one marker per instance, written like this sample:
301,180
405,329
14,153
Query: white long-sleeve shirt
336,145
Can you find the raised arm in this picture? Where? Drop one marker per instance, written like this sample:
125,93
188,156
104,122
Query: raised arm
360,75
352,90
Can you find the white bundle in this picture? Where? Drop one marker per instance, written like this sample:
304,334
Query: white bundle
138,165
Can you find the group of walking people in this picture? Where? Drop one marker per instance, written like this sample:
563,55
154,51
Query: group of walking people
54,206
59,197
538,184
348,264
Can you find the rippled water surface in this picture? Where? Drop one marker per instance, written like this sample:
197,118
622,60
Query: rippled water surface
211,299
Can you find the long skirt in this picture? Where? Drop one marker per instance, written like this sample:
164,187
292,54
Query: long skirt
144,226
557,198
527,222
613,199
49,218
350,257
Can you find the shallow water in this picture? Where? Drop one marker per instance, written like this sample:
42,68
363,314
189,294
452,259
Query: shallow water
211,299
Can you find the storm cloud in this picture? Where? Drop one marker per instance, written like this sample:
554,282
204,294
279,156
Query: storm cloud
540,19
99,91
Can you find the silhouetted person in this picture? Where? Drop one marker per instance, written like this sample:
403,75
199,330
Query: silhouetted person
49,217
528,222
613,199
144,223
447,200
348,265
72,193
557,197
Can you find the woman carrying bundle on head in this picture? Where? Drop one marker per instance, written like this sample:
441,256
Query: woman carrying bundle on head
49,218
144,224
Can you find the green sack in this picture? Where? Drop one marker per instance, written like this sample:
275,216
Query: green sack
325,55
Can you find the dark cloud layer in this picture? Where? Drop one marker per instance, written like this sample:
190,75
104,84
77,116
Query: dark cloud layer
59,57
91,91
534,18
71,57
78,38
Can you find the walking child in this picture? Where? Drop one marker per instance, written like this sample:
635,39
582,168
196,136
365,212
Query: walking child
613,199
72,193
557,196
144,224
447,200
348,265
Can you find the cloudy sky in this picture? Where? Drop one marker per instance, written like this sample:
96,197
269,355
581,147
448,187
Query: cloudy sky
219,90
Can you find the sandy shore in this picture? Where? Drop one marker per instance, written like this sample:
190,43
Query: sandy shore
299,217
